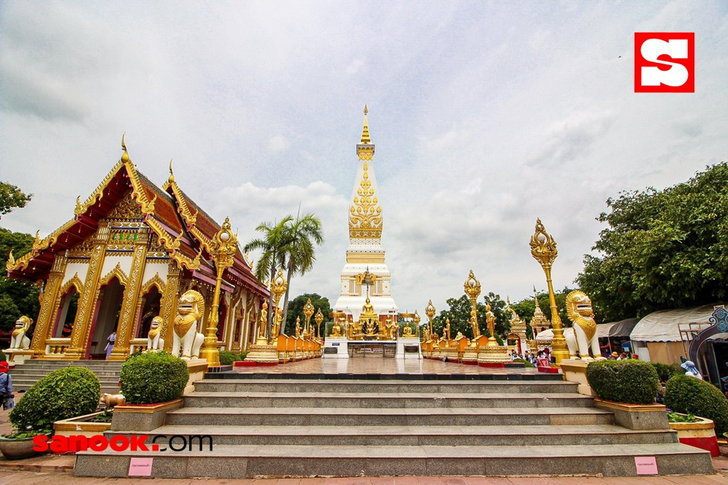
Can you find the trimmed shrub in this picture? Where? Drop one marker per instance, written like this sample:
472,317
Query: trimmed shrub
62,394
665,371
629,381
689,395
153,377
227,358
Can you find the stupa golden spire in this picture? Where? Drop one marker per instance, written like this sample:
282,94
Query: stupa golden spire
365,148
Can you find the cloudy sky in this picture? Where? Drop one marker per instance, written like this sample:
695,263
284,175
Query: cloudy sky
486,115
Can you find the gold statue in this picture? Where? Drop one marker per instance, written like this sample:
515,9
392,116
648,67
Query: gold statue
190,309
263,320
490,320
583,335
277,320
407,331
298,327
446,332
336,330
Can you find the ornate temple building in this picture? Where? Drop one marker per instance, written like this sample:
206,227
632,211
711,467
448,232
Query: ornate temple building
127,254
365,274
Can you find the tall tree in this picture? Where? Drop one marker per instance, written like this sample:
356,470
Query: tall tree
527,306
300,236
272,245
662,248
295,309
12,197
17,297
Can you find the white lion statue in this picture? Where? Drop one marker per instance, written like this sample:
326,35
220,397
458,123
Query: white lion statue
582,337
155,342
189,311
18,340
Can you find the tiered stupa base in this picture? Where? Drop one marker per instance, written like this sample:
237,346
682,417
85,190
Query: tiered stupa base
493,355
263,353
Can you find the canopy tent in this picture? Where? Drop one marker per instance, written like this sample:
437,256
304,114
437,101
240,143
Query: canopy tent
622,328
545,337
663,325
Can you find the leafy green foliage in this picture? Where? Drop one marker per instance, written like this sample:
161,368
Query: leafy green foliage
690,395
12,197
16,297
526,307
666,371
681,418
629,381
662,249
62,394
3,357
524,362
459,315
295,309
153,377
227,358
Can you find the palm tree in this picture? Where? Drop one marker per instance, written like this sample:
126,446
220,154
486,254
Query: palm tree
273,245
300,236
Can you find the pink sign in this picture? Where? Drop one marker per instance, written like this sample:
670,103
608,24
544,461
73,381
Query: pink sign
140,467
646,465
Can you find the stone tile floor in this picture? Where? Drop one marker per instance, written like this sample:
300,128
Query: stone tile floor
379,365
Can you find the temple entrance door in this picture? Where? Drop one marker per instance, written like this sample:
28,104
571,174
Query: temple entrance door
150,309
66,314
107,318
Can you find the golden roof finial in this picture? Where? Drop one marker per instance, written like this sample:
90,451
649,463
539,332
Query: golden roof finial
125,155
365,138
171,171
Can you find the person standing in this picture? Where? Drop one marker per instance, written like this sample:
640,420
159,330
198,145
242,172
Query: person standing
110,340
6,387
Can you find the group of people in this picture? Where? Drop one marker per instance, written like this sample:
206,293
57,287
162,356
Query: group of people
540,358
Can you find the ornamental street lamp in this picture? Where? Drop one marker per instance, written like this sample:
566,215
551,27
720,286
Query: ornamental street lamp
543,249
472,289
223,247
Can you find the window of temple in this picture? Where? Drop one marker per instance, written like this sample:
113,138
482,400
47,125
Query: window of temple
66,314
150,308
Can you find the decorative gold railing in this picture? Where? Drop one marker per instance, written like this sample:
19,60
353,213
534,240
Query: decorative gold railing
138,345
56,347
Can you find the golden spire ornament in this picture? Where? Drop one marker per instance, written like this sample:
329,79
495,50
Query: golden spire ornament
308,310
365,148
319,318
125,155
430,312
543,250
472,289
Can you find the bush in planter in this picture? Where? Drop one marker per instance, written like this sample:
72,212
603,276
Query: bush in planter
689,395
62,394
153,377
628,381
227,358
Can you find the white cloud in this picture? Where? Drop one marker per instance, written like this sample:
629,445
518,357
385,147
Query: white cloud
278,143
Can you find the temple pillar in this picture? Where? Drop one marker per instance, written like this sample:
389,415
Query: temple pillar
47,306
168,306
131,297
89,295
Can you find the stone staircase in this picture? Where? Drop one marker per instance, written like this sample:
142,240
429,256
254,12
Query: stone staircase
356,427
26,374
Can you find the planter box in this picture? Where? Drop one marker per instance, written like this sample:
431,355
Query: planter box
142,417
700,434
636,416
80,425
14,449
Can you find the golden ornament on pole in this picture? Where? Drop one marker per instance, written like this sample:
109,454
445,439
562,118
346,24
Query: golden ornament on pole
543,249
223,247
472,289
430,312
308,310
278,287
319,318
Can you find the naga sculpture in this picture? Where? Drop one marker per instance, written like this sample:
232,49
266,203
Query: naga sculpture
190,310
18,340
155,342
582,337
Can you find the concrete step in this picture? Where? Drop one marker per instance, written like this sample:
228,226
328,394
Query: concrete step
471,435
253,461
37,374
386,400
249,416
349,385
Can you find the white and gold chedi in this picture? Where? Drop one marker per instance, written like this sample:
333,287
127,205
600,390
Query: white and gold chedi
365,254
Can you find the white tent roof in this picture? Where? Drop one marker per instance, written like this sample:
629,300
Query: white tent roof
662,326
621,328
545,336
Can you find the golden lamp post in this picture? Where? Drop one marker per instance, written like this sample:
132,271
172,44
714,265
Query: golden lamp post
430,312
472,289
223,247
308,310
543,249
277,287
318,318
416,319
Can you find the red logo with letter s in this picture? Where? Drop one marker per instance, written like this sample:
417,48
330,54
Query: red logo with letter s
664,62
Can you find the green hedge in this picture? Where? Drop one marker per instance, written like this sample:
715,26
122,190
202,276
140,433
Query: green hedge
690,395
666,371
629,381
227,358
62,394
153,377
